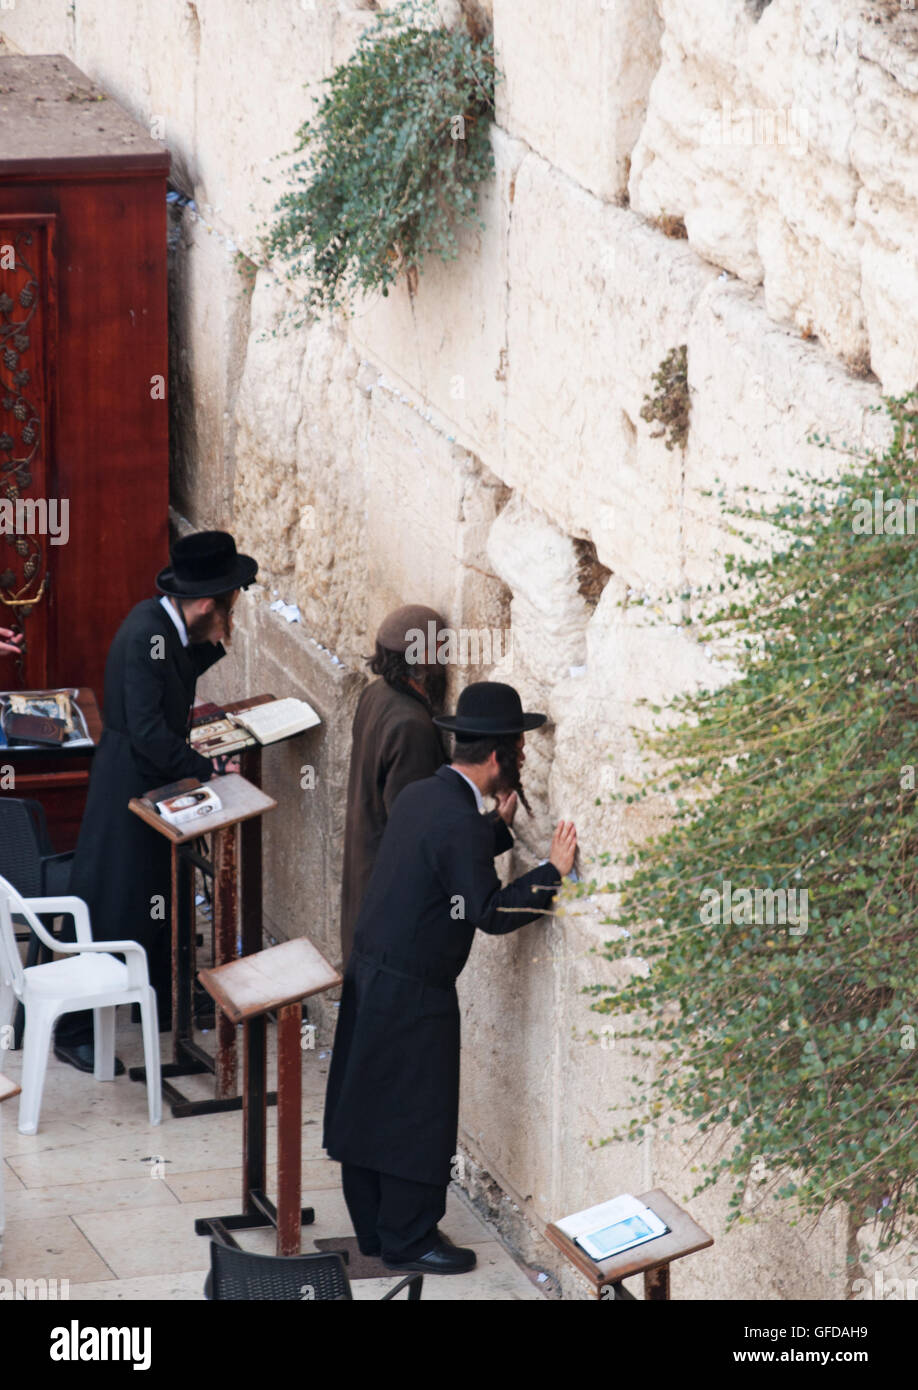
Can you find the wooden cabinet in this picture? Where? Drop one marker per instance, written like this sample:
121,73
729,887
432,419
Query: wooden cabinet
83,370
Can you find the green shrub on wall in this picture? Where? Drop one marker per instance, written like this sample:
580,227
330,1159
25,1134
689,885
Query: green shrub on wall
777,914
392,161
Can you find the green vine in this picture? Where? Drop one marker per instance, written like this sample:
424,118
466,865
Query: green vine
392,161
799,775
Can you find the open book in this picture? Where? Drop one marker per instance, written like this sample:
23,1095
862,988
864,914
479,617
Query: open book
611,1227
276,720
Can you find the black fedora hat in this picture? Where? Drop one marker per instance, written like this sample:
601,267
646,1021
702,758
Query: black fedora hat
489,708
204,564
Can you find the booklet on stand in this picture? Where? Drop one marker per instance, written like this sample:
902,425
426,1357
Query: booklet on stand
184,801
611,1227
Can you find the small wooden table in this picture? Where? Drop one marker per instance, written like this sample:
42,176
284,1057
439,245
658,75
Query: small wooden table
242,803
8,1089
57,777
280,978
651,1259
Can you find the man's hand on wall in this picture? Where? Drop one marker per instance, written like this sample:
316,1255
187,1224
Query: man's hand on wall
506,806
563,847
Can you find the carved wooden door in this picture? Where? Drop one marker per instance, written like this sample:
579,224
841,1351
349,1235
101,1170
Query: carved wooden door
34,521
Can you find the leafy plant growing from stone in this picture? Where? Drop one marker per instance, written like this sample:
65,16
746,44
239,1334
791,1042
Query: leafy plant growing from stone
392,161
798,774
670,405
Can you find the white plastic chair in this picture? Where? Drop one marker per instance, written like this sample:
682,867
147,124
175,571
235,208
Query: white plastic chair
91,978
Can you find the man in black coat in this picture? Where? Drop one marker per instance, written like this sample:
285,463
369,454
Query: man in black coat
121,867
393,742
392,1104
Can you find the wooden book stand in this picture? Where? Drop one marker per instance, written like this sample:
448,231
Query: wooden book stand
279,978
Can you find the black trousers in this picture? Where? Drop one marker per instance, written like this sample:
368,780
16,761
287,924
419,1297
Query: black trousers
394,1217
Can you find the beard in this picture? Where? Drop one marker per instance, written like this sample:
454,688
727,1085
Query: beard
204,628
508,776
435,687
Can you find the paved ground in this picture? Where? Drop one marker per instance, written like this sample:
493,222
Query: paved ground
101,1199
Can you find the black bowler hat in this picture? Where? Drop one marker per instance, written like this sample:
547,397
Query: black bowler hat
204,564
488,708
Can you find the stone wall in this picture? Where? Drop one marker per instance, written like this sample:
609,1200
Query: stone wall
469,444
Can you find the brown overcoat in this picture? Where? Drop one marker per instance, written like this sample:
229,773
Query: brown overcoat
394,741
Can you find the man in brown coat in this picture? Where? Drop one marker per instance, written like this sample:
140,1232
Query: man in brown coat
394,741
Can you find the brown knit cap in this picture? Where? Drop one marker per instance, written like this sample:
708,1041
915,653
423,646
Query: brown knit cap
393,630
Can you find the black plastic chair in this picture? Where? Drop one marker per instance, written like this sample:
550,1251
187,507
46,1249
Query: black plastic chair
320,1278
27,860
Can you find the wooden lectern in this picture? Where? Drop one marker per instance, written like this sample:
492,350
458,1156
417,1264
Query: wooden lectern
242,804
280,978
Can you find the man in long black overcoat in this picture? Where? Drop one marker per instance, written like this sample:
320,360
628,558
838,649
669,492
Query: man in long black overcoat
392,1104
393,742
121,866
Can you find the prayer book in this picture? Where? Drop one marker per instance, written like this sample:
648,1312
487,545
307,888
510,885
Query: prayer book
184,801
611,1227
278,719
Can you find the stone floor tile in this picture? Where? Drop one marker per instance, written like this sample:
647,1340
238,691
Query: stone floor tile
34,1203
148,1288
158,1240
52,1248
226,1183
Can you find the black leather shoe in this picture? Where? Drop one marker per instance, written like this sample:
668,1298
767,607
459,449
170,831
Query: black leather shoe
442,1259
83,1057
370,1251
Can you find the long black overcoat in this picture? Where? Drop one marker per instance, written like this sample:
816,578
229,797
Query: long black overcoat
121,865
394,741
392,1101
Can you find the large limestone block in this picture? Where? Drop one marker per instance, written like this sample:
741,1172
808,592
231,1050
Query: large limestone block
429,506
592,314
575,84
508,1003
539,564
269,408
633,655
271,60
784,142
224,83
300,501
209,302
149,62
889,282
447,341
759,394
548,617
